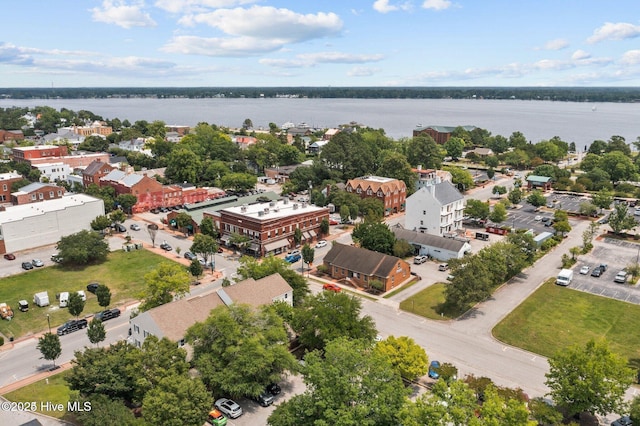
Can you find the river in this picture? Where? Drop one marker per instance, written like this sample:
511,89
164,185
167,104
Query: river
581,123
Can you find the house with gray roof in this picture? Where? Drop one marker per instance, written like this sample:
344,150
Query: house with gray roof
172,320
440,248
359,267
436,209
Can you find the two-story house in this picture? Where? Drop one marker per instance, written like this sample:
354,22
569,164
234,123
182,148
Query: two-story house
436,209
36,192
94,171
392,192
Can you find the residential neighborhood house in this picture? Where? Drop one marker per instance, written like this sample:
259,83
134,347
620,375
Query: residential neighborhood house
437,209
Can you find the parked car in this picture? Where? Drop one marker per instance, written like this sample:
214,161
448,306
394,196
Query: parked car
165,246
37,263
56,258
108,314
623,421
92,287
333,222
621,277
419,260
443,267
538,218
27,266
189,255
332,287
434,369
228,407
71,326
293,252
118,227
292,258
321,243
596,272
135,227
216,418
265,399
10,256
274,388
585,270
604,267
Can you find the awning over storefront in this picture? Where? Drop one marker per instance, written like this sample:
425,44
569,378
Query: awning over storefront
307,235
254,247
275,245
312,233
225,239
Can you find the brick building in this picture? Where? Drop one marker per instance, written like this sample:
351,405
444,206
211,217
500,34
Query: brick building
94,171
6,180
392,192
270,226
440,134
36,192
358,267
41,154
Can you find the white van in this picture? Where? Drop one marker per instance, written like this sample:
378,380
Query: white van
64,299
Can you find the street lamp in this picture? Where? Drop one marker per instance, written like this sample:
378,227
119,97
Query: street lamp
49,322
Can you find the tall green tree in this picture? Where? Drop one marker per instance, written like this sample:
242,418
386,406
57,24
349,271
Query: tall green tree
126,201
620,219
374,236
477,209
405,355
460,177
454,147
589,378
82,248
100,223
96,331
204,245
49,346
424,151
183,165
602,198
472,282
208,227
167,281
104,295
177,401
395,165
536,199
75,304
499,213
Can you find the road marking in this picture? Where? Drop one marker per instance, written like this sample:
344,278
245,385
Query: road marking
534,358
423,321
504,348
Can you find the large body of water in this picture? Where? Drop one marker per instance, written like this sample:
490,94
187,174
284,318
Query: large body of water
581,123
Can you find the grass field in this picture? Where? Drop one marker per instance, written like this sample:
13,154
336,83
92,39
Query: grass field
554,318
428,303
122,272
54,390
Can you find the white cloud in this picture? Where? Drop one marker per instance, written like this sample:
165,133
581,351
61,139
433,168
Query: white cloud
611,31
191,6
216,46
556,44
383,6
631,57
313,59
117,12
580,54
436,4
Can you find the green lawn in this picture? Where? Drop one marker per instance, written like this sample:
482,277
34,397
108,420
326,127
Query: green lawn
428,303
122,272
54,390
554,318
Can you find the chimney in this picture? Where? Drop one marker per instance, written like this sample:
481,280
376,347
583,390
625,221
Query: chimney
419,167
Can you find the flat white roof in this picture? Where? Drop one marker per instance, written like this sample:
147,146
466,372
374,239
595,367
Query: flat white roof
15,213
281,209
375,179
35,147
10,175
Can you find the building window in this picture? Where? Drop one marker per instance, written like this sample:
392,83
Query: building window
369,192
50,194
424,212
422,222
4,187
33,197
358,190
136,328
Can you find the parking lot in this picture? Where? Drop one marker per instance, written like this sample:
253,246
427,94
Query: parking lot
617,255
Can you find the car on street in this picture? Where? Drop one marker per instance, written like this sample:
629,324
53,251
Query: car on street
443,267
92,287
165,246
228,407
621,277
56,258
321,243
216,418
274,388
10,256
585,270
71,326
292,258
434,369
37,263
333,222
27,266
190,256
118,227
265,398
107,314
331,287
293,252
135,227
419,260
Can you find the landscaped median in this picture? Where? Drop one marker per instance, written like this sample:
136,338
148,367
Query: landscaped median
554,318
122,272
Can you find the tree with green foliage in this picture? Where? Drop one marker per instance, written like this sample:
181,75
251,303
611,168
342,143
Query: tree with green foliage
543,412
447,404
374,236
515,195
477,209
96,331
183,165
208,227
499,213
49,346
454,147
100,223
195,268
324,226
183,220
103,407
75,304
117,216
308,254
536,198
588,235
525,242
239,350
126,201
619,166
345,213
589,378
327,316
402,249
240,182
167,281
205,246
104,295
634,409
395,165
177,400
82,248
347,371
587,209
620,219
491,172
602,198
407,357
252,268
297,236
424,151
460,177
471,283
499,190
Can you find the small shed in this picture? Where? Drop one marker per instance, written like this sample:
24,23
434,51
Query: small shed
542,237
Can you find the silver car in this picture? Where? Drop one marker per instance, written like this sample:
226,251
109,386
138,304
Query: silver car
228,407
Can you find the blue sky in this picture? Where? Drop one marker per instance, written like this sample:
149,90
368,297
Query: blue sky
147,43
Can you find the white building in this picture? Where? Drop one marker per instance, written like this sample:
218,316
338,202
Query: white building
27,226
172,320
435,209
53,171
440,248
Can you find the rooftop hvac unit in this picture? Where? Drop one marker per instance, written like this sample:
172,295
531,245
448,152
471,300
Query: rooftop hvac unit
272,203
243,209
266,210
304,205
295,206
285,201
260,213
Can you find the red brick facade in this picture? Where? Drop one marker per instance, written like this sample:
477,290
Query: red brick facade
94,172
391,192
42,192
6,180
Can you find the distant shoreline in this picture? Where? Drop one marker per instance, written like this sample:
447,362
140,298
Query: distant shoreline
561,94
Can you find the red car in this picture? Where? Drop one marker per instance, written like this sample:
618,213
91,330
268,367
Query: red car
331,287
10,256
333,222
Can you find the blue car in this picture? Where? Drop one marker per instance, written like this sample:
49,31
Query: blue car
434,369
293,258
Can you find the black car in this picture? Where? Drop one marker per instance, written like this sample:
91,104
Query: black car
92,287
273,389
265,399
623,421
71,326
597,271
108,314
166,247
27,266
118,227
190,256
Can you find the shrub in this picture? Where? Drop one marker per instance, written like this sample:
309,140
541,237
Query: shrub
322,269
